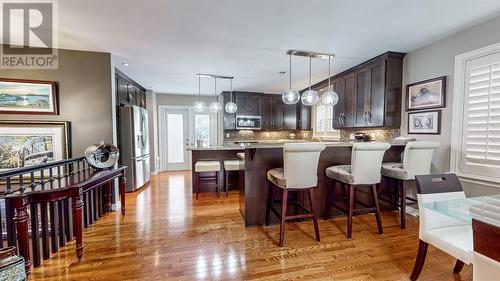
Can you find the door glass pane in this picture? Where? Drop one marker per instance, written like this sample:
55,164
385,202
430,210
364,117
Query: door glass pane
175,138
202,128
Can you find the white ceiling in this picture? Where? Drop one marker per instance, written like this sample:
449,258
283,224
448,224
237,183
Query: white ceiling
168,42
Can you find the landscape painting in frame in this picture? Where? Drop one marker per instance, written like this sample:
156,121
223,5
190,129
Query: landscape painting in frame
425,122
24,144
27,97
426,94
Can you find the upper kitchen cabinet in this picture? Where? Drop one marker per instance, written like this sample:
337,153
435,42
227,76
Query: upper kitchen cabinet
303,117
248,103
129,92
369,93
271,110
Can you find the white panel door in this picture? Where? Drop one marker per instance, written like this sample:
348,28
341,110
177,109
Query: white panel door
174,139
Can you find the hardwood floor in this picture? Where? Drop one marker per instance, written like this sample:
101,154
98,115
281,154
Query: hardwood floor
168,235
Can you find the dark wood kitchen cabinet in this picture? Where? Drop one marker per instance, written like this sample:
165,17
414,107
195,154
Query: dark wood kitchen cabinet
129,92
248,103
369,93
290,117
271,112
303,117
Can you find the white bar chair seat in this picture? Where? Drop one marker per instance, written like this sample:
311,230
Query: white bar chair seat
299,173
204,166
417,158
207,166
231,166
454,240
364,171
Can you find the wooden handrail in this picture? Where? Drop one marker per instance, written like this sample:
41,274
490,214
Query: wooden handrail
35,168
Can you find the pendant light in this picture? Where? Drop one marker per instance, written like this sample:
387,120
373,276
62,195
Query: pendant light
199,106
290,96
330,98
309,97
231,107
215,106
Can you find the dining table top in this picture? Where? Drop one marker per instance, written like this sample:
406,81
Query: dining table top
483,208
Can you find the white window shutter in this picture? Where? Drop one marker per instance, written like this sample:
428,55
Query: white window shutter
481,129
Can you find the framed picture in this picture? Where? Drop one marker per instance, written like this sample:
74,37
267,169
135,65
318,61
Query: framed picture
27,143
426,94
28,97
424,122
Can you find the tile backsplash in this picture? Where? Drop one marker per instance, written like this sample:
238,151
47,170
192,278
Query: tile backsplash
266,135
379,134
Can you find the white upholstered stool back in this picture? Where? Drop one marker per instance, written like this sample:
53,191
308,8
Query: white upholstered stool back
300,164
366,160
417,157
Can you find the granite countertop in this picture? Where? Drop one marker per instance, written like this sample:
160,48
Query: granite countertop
279,145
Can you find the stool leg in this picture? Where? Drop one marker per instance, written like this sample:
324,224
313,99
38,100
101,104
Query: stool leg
402,212
312,200
351,207
329,193
197,184
217,181
377,209
227,183
269,204
283,217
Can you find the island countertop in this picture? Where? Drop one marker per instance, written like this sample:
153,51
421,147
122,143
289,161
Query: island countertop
243,146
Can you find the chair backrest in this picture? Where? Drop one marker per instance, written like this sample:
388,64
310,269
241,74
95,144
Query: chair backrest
433,188
300,164
417,157
366,161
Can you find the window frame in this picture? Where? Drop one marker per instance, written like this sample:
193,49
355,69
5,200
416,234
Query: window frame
327,135
459,98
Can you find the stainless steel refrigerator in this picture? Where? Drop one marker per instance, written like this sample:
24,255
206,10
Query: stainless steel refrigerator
134,146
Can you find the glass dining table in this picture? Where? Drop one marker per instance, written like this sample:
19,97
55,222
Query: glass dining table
484,208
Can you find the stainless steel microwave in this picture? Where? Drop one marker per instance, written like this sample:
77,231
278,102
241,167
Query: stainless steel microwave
248,122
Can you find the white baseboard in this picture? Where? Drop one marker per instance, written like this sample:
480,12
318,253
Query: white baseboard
116,206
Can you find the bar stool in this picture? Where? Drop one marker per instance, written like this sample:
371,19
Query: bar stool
230,166
364,171
417,158
206,166
299,173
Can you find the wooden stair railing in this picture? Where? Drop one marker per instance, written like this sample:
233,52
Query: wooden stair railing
52,203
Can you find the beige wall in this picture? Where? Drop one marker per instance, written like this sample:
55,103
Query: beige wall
180,100
85,95
438,59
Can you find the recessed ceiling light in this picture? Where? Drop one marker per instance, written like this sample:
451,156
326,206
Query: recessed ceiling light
125,64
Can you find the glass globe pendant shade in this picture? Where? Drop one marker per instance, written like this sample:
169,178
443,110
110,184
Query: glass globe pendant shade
231,107
215,106
309,98
199,106
329,98
290,97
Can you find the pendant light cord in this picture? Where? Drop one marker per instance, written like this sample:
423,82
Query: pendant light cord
231,93
290,64
329,74
310,59
199,88
215,92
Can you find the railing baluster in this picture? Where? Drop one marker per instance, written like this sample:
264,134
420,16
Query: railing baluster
35,234
69,219
42,179
51,176
62,224
85,210
21,183
9,217
32,181
45,231
54,226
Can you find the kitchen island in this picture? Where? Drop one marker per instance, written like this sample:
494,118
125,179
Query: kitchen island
259,158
